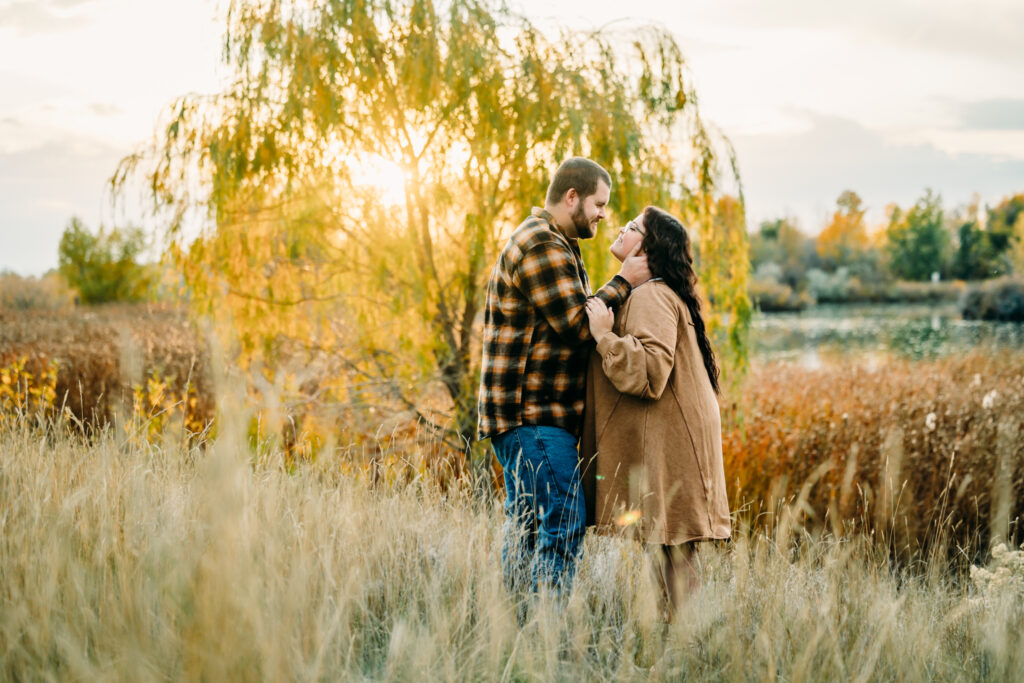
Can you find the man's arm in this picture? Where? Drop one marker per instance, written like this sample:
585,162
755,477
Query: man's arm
547,277
634,271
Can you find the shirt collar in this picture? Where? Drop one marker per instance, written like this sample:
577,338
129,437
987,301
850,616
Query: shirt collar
540,212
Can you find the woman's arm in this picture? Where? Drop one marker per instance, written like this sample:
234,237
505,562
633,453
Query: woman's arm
640,361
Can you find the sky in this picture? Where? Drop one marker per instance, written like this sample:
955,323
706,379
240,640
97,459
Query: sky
886,98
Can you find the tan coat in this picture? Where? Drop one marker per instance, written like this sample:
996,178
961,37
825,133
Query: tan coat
652,424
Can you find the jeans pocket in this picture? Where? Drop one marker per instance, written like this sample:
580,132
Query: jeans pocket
560,467
504,446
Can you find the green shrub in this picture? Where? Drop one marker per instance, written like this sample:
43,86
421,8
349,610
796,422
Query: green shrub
771,297
842,287
103,267
904,291
831,287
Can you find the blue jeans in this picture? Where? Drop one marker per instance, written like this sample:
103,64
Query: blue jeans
545,512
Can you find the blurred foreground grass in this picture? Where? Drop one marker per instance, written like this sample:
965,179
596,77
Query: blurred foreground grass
158,547
128,560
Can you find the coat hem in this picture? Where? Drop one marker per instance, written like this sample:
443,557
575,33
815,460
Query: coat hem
611,529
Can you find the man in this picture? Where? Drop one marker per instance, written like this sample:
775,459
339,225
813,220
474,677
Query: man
535,346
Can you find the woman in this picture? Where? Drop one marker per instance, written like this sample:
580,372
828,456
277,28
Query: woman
652,420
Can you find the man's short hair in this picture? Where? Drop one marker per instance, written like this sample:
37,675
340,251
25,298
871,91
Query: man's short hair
576,173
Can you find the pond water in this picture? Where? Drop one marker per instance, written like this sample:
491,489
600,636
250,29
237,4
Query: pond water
874,333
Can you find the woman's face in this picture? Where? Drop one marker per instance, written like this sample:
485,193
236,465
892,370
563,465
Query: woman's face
630,234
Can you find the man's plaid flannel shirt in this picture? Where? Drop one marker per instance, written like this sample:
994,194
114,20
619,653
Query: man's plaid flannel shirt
535,337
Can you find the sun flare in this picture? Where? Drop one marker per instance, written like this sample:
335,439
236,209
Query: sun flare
380,174
369,171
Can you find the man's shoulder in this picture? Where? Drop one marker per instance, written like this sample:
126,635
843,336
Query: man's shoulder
532,233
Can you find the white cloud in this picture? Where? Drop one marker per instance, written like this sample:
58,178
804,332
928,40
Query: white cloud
994,114
71,118
1004,145
881,62
989,29
41,16
105,109
109,79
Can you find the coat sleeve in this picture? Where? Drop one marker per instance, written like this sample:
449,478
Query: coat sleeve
640,361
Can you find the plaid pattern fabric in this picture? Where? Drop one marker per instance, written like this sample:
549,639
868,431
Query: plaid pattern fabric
535,337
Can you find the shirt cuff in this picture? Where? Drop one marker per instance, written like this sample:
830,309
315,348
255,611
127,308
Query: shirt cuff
615,291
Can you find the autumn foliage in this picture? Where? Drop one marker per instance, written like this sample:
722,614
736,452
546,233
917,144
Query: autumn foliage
90,365
923,454
365,163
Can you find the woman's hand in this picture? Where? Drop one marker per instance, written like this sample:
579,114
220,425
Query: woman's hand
600,317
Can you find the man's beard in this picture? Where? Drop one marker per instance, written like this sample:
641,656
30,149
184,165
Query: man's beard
584,230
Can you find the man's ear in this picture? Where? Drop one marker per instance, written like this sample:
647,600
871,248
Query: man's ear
571,196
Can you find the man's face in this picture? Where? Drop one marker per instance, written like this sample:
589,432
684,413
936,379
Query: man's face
589,211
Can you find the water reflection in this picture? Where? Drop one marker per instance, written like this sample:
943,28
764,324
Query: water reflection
825,334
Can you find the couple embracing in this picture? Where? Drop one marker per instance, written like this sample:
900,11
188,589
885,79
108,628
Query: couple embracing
601,406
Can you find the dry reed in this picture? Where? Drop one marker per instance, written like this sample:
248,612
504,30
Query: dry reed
131,560
926,455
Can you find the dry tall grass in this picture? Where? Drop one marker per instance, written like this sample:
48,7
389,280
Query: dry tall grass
129,560
103,364
103,355
46,292
926,455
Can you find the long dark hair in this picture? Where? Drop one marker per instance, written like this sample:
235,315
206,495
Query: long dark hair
667,246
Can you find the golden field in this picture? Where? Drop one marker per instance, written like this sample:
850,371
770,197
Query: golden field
135,548
125,560
926,455
92,362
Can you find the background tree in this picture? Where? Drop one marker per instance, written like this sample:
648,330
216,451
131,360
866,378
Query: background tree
1001,230
1002,220
844,241
103,267
726,287
1015,252
367,160
971,253
916,241
780,241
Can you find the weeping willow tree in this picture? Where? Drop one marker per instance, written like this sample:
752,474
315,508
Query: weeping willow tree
359,173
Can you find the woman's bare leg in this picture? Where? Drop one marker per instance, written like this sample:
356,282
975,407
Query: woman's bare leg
677,575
